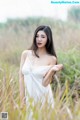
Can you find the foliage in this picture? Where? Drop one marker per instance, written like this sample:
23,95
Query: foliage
15,36
71,62
66,106
74,14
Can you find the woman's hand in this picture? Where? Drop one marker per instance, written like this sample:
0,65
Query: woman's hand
57,67
48,76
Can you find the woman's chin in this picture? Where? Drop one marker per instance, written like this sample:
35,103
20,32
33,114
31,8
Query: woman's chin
40,46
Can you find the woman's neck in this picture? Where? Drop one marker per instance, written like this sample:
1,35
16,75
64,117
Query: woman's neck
41,52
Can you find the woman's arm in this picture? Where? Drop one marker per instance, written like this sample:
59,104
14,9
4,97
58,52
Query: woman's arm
48,77
21,79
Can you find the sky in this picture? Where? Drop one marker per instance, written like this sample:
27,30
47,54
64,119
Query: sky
24,8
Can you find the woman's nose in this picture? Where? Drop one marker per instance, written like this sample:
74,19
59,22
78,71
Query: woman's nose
39,38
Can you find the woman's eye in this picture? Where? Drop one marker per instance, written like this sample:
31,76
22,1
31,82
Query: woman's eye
43,37
40,36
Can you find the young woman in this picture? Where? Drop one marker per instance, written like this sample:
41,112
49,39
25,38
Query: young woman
38,65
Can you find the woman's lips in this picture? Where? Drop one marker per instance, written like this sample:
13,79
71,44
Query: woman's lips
39,43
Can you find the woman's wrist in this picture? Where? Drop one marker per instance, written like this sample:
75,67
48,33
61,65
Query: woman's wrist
52,70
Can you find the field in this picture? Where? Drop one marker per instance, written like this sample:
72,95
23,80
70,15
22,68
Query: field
16,36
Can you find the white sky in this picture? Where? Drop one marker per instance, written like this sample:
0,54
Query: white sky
24,8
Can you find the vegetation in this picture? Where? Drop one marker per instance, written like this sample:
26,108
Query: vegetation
74,14
15,36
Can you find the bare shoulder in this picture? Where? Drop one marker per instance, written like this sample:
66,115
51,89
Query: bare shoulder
24,53
53,60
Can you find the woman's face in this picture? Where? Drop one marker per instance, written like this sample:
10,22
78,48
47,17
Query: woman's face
41,39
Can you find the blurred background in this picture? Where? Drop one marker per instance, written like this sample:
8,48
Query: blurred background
19,19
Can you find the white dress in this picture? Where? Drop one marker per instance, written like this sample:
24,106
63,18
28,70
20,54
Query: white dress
33,77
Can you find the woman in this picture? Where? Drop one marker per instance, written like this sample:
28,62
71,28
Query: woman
38,65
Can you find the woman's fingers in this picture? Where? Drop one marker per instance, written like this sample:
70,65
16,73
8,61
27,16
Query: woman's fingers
57,67
60,66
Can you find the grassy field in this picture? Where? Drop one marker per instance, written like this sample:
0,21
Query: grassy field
15,36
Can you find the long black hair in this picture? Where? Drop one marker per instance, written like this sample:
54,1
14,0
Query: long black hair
49,45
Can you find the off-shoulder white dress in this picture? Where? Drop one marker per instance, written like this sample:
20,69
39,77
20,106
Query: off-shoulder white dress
33,77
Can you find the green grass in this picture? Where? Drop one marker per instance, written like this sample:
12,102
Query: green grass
15,36
66,90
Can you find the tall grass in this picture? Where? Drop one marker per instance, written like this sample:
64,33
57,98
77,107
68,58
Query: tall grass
67,98
19,33
15,36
